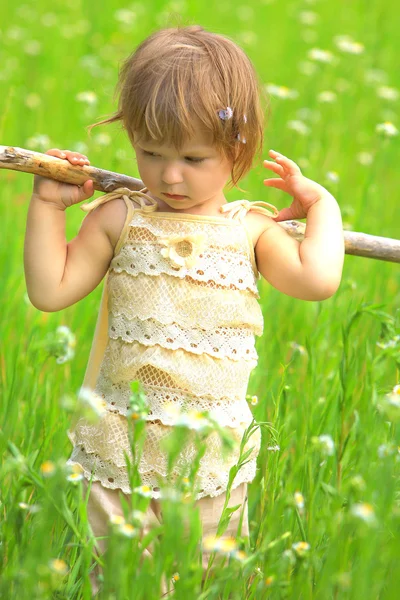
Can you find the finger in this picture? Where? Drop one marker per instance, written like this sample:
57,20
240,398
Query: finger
77,159
289,165
55,152
275,167
279,184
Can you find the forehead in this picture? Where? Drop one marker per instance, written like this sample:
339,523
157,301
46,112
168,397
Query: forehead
202,139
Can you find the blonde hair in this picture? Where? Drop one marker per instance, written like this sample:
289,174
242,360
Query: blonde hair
180,75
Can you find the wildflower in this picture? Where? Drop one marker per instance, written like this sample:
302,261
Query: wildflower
324,444
102,139
128,530
387,93
290,555
333,176
138,518
385,450
357,483
224,545
321,55
32,508
346,44
269,580
47,468
117,520
301,549
183,251
365,158
59,566
192,419
125,16
327,96
93,402
273,448
88,97
307,17
299,501
390,404
76,475
33,101
387,128
175,577
65,344
253,400
298,126
38,142
281,91
393,343
375,76
144,490
297,347
365,512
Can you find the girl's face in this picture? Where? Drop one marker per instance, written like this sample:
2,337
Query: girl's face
198,174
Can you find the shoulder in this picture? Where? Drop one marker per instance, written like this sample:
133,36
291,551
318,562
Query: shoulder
257,224
110,217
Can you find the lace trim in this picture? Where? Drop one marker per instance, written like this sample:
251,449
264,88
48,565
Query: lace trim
223,268
229,412
185,302
100,449
230,342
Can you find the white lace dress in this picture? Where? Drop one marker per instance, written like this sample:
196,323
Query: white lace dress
179,313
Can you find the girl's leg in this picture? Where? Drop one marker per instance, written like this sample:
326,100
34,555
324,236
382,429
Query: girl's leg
102,504
210,514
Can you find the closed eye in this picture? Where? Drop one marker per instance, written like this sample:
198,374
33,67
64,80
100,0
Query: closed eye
188,158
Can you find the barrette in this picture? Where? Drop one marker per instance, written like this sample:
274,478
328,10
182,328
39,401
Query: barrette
225,113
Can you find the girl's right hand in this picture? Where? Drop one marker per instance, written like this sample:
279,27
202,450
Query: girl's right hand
63,195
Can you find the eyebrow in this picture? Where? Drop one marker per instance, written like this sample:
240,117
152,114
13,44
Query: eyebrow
199,150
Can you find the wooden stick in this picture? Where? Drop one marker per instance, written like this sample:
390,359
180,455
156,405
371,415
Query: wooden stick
28,161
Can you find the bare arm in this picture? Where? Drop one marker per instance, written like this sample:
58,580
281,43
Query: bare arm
312,269
58,273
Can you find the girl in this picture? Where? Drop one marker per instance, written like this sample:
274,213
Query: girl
179,309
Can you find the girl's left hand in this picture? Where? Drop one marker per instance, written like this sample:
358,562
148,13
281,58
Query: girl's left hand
305,192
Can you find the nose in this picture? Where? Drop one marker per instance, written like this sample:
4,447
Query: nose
171,173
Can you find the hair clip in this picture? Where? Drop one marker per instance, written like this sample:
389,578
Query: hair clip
239,139
225,113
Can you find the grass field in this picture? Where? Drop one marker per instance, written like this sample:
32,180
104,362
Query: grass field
324,509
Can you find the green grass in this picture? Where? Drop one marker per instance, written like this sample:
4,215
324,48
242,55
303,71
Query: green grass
320,369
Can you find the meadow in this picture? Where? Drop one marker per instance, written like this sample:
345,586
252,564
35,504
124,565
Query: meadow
324,508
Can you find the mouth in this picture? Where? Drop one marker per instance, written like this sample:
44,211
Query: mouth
175,196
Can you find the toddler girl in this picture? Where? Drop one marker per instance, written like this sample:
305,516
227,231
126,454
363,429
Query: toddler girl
179,310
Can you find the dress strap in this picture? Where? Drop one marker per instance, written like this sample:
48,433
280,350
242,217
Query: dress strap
126,193
239,208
